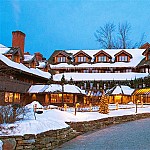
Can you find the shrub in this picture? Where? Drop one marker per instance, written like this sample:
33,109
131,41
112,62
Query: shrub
11,113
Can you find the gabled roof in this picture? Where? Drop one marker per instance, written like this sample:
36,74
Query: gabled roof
82,52
146,51
145,46
102,52
123,51
14,50
120,89
61,52
136,54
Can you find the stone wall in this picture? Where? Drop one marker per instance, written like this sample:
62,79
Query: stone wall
43,141
53,138
86,126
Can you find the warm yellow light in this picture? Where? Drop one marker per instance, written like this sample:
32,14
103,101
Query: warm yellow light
34,96
118,97
60,95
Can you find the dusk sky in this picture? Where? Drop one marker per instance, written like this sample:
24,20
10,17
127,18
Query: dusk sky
69,24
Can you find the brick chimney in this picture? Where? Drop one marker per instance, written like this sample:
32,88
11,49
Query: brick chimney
18,40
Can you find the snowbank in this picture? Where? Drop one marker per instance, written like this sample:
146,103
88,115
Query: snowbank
1,144
33,104
53,119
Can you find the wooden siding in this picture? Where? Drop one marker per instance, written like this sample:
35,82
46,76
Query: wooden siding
81,55
117,57
101,55
12,85
60,55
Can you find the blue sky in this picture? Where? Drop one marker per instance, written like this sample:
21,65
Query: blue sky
69,24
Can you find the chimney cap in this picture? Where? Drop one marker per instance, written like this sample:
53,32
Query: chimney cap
20,32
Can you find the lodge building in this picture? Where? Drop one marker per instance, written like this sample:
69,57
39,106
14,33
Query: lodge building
90,70
19,70
94,70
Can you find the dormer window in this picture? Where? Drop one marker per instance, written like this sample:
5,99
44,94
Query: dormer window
102,59
61,59
102,56
81,59
123,58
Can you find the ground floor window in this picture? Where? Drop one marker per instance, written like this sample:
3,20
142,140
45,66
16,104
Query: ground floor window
57,98
16,97
12,97
8,97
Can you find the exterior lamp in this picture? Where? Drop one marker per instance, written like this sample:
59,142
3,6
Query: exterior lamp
76,105
137,101
62,84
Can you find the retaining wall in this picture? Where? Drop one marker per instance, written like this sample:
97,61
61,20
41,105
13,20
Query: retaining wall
51,139
86,126
44,141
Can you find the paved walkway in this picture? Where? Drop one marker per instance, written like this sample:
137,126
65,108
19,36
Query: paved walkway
133,135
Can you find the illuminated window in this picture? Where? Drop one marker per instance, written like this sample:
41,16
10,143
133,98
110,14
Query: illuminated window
68,98
8,97
56,98
102,58
34,97
123,58
16,97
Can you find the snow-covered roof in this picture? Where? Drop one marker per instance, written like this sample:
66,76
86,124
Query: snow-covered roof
22,67
42,64
99,76
122,89
28,57
3,49
55,88
136,58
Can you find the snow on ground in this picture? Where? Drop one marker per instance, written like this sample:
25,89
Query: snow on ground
1,144
52,119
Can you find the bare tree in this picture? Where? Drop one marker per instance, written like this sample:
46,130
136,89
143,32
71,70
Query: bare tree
141,41
123,31
105,35
109,38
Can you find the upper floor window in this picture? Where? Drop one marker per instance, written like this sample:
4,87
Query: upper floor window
85,71
123,58
149,57
61,59
102,58
82,59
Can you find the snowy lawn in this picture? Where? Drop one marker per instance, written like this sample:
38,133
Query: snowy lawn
52,119
1,144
